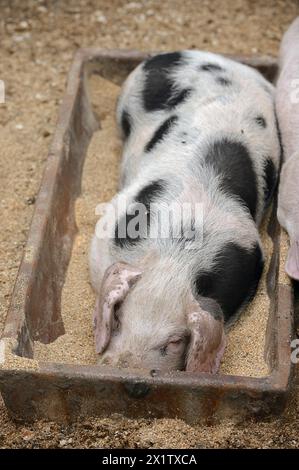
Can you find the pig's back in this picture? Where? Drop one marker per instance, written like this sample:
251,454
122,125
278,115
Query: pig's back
194,110
183,83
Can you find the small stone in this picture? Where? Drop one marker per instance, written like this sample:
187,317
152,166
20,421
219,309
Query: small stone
47,428
141,18
100,17
46,133
18,38
41,97
27,435
23,25
30,200
19,126
21,37
65,442
42,9
133,6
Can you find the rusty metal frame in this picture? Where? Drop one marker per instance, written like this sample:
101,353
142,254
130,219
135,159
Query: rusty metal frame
65,392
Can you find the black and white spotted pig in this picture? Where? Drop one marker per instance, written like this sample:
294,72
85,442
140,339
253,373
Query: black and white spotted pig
197,128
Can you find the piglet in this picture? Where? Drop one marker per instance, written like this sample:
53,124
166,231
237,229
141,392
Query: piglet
200,135
287,108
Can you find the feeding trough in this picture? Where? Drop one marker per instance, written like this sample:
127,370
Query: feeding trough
33,388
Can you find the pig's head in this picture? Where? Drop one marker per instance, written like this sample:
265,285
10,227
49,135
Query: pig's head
141,323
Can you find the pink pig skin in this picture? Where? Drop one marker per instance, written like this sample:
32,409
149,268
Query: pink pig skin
287,108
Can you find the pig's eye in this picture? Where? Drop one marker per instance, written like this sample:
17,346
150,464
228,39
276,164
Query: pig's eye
172,346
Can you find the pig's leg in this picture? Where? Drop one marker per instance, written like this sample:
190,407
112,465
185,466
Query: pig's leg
287,90
288,211
287,107
292,263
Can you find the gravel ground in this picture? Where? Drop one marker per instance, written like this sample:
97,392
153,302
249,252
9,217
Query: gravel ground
38,40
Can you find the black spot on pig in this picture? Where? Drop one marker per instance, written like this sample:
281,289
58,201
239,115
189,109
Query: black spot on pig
178,97
210,67
232,163
223,81
122,238
234,278
140,206
166,61
126,123
161,132
270,177
150,193
261,121
160,90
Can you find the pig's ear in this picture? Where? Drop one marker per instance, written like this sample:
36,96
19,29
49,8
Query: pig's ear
117,281
292,263
207,341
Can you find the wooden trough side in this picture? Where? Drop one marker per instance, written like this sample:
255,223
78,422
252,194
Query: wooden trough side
34,390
